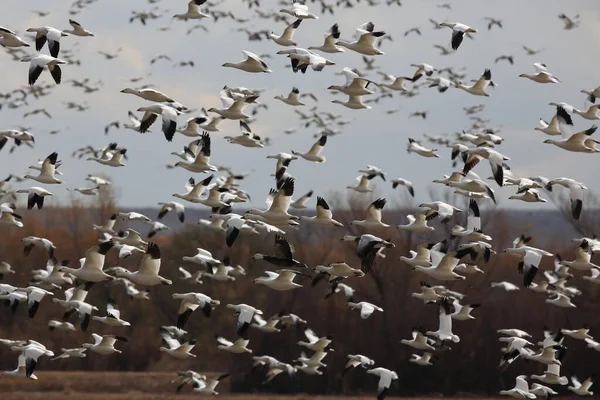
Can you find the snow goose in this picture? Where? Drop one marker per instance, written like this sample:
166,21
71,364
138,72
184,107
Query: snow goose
329,45
473,231
36,196
366,40
301,202
281,280
77,30
52,35
292,98
192,126
148,272
469,183
30,242
428,295
172,205
356,360
371,169
373,217
591,113
278,203
314,153
417,223
520,391
5,268
542,391
367,246
578,142
9,217
581,389
209,386
528,196
440,82
91,268
28,359
189,303
560,300
203,257
592,94
149,94
570,23
583,255
403,182
286,38
495,158
299,10
195,190
60,325
104,344
338,270
458,32
445,322
113,315
113,158
75,353
395,83
386,377
478,88
337,287
245,315
193,11
542,74
233,108
130,237
9,38
365,308
549,355
177,349
290,320
301,59
324,215
269,326
363,184
34,297
579,334
463,312
423,361
441,209
353,102
202,161
315,343
575,193
443,265
592,344
252,63
287,251
422,69
247,138
415,146
237,347
47,171
169,119
355,85
87,191
552,376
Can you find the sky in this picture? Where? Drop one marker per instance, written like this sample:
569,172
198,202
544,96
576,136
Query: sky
373,136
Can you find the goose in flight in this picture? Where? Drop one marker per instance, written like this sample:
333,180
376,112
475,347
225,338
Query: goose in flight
177,349
252,63
439,208
371,169
301,59
169,119
355,85
192,126
193,11
315,343
367,247
473,231
68,353
30,242
363,184
428,294
173,205
570,23
104,344
520,391
356,360
403,182
237,347
542,74
337,270
583,256
91,268
301,202
299,10
329,44
281,280
396,83
52,35
247,138
444,331
373,217
575,193
478,88
552,376
458,32
470,182
287,251
353,102
581,389
47,171
201,163
423,361
560,300
208,386
286,38
415,146
37,64
579,142
149,94
77,30
443,265
552,128
10,39
189,303
269,326
113,315
245,315
495,159
366,40
418,223
365,308
324,215
592,94
28,359
463,312
233,108
422,69
386,377
314,153
148,272
292,98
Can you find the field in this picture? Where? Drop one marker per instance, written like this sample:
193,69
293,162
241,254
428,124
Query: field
55,385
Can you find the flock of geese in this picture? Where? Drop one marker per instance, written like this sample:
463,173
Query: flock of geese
434,261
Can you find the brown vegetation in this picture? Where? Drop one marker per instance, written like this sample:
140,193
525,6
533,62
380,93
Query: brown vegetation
471,365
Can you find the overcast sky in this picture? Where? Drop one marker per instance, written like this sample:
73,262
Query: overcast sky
373,137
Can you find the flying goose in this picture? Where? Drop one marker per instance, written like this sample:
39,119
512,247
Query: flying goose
10,39
201,163
208,386
252,63
30,242
575,193
418,222
52,35
423,361
193,11
177,349
301,202
444,331
473,231
237,347
581,389
172,205
301,59
367,247
68,353
353,102
373,217
292,98
287,251
520,391
315,343
324,215
441,209
299,10
30,353
570,23
113,315
169,119
365,308
422,69
579,142
495,158
458,32
560,300
286,38
269,326
314,153
329,44
233,108
77,30
478,88
356,360
443,265
355,85
104,344
428,294
386,377
281,280
415,146
582,261
37,64
542,74
189,303
245,315
366,40
36,196
92,265
552,376
463,312
149,94
529,196
363,184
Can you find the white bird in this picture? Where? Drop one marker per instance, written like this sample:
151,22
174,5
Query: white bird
68,353
355,85
329,44
581,389
353,102
245,315
478,88
172,205
542,74
299,10
52,35
552,376
314,153
315,343
415,146
237,347
201,163
286,38
423,361
252,63
177,349
47,172
113,315
91,268
363,184
208,387
444,331
366,40
355,360
386,377
458,32
281,280
39,62
9,38
373,216
521,389
193,11
324,215
292,98
77,30
168,115
365,308
417,223
579,142
104,344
